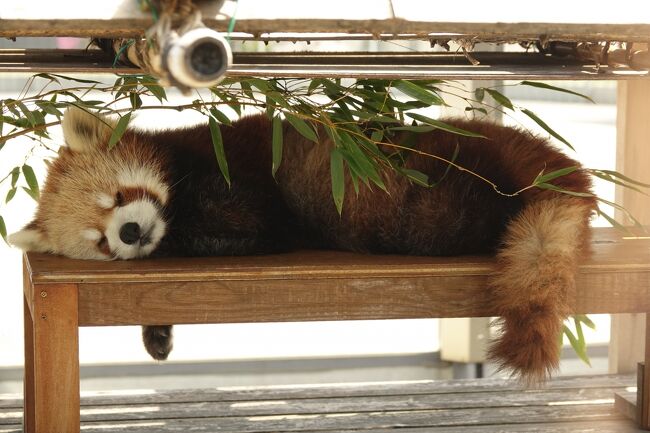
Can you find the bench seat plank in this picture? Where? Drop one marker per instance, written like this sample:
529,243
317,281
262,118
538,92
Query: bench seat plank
326,285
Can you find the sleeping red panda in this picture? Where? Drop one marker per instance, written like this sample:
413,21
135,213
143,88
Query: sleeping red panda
161,193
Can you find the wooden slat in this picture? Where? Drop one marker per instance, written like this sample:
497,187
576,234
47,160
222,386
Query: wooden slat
613,252
283,392
508,20
582,404
125,411
326,285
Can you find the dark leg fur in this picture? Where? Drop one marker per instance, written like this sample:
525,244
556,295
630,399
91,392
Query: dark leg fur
158,340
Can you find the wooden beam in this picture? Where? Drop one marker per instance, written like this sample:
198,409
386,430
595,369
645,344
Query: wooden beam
505,22
493,66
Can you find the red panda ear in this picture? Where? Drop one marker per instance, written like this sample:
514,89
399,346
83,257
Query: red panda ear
31,238
84,130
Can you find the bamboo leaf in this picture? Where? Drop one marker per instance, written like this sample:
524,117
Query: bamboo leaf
30,178
3,228
444,126
586,320
220,116
500,98
338,180
616,174
78,80
578,345
15,174
119,130
10,194
543,178
156,89
557,89
416,176
302,127
33,194
219,151
546,128
563,191
479,94
28,114
420,93
276,144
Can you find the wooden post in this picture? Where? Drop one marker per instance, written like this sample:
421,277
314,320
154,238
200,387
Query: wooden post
632,159
644,391
51,358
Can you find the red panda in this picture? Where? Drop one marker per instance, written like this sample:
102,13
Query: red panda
161,193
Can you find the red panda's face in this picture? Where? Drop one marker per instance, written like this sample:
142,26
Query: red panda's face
98,203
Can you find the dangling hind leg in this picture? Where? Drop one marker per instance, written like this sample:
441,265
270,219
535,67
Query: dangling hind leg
534,282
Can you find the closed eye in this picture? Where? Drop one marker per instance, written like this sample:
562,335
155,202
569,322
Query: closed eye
102,245
119,199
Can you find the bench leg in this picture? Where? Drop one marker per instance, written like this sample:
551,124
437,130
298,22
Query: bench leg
52,359
644,380
28,380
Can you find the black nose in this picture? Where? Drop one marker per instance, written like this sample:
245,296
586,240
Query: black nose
130,233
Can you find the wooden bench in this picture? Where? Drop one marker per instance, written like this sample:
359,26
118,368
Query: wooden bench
62,294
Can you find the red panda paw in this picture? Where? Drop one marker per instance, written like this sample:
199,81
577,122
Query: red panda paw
158,341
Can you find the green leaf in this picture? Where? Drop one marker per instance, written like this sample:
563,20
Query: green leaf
413,128
480,110
609,178
586,320
578,344
420,93
28,114
544,126
49,108
416,176
156,90
444,126
277,144
377,135
557,89
219,151
338,180
543,178
479,94
31,180
136,101
220,116
33,194
78,80
363,162
15,174
563,191
3,228
500,98
119,130
616,174
302,127
10,194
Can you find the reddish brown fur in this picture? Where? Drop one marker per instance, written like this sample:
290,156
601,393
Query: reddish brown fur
538,235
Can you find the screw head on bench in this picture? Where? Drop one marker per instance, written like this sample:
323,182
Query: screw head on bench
44,316
43,294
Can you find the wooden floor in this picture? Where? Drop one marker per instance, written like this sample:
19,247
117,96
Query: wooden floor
578,404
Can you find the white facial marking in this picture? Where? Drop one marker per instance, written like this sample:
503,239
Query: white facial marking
92,234
144,177
147,216
105,201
